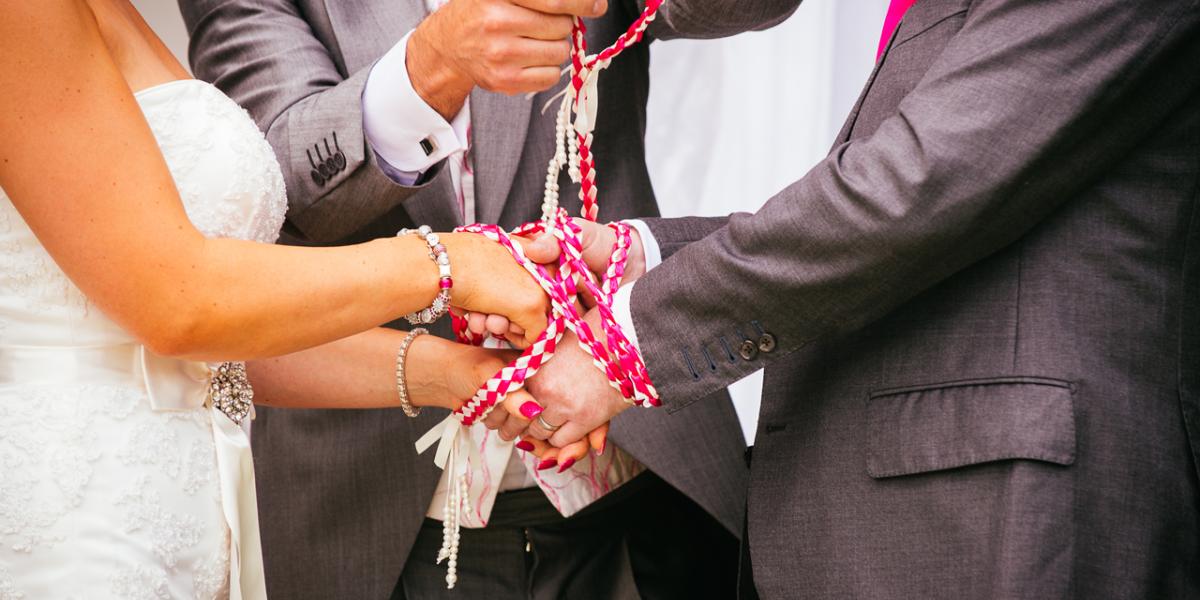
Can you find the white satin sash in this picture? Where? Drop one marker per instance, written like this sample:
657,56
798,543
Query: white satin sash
170,384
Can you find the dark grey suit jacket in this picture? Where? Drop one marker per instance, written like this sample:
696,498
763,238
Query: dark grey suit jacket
983,368
342,493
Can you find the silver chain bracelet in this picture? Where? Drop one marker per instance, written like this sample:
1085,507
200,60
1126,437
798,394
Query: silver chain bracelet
401,380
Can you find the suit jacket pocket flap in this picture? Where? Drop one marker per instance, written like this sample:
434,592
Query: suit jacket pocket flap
949,425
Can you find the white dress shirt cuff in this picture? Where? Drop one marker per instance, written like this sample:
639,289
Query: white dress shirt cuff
621,300
404,131
650,247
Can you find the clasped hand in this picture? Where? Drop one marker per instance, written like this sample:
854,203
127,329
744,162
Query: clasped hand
574,400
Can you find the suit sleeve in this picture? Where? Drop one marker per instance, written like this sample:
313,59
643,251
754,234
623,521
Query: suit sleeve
708,19
264,55
671,235
1028,105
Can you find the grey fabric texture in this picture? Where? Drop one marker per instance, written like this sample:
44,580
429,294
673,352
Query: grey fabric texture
342,493
983,376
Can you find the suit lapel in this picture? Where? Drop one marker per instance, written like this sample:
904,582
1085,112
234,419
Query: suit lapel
921,17
364,31
848,127
499,124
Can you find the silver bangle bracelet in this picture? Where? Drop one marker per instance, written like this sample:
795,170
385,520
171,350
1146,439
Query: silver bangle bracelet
401,380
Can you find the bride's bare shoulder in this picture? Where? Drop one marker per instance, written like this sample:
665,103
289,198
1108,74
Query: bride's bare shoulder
62,27
65,102
140,55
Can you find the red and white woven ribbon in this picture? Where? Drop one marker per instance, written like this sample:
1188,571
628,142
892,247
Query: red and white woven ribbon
619,360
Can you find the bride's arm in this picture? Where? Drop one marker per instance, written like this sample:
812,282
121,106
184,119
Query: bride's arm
360,372
80,163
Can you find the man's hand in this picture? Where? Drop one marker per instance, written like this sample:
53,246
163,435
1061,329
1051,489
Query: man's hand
576,396
598,241
506,46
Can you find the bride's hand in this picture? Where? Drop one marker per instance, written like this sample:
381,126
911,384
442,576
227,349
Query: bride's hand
563,458
447,374
597,242
488,281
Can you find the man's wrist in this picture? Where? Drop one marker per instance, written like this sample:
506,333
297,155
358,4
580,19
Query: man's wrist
406,133
617,402
635,263
433,76
645,246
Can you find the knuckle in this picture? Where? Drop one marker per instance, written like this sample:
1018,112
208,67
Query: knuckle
494,53
562,52
550,81
554,6
509,80
562,26
492,19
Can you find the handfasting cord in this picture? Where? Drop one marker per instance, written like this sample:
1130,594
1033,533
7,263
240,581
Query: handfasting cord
619,360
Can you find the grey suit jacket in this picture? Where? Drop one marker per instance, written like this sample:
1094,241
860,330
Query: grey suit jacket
980,316
342,493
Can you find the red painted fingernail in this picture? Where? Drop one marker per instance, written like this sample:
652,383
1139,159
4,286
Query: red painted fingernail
546,464
530,410
525,445
566,465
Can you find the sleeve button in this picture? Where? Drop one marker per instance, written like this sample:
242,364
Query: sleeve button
318,178
766,342
748,350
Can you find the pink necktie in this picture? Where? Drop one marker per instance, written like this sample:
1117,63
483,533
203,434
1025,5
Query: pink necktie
895,12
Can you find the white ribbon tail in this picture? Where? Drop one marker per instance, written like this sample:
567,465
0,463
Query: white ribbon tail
589,104
240,506
446,432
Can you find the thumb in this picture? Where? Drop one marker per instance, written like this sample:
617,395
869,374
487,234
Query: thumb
542,250
597,242
521,404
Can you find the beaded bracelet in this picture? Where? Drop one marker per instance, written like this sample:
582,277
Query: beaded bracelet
437,251
401,380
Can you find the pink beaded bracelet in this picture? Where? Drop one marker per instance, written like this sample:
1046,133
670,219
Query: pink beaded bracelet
441,302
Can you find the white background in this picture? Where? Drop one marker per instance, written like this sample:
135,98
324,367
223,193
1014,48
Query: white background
731,122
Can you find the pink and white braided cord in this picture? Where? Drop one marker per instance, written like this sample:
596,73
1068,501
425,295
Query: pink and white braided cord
619,360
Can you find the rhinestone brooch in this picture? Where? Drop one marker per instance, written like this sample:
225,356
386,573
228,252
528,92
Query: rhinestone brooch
230,391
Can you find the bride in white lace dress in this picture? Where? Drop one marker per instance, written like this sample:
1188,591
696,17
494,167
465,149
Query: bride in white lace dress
119,271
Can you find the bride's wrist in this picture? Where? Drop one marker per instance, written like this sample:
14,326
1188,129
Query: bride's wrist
423,377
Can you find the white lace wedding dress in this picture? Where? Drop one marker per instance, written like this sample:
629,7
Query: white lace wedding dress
117,480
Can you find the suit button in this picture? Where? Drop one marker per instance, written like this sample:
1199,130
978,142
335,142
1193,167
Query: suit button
331,164
748,350
339,159
323,169
318,178
766,342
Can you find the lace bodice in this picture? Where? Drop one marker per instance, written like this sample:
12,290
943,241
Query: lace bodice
116,481
226,174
